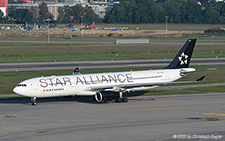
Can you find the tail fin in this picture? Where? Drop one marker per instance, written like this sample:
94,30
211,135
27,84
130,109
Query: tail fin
183,58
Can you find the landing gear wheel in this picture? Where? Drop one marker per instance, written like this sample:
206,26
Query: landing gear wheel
119,100
34,103
125,99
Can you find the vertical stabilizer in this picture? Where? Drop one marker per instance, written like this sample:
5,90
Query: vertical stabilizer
183,58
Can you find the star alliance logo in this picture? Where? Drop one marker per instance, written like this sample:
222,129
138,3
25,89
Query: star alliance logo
183,59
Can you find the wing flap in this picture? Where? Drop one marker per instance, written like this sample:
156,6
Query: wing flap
122,87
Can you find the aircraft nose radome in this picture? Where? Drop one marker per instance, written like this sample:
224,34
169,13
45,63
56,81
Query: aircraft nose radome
18,91
15,90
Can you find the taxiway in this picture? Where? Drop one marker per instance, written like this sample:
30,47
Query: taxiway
145,118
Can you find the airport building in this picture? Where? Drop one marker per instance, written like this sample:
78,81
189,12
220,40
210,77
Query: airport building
26,1
3,9
3,6
101,6
100,9
114,1
3,3
104,1
82,2
98,1
45,1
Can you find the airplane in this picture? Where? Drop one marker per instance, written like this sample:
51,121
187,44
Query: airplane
109,86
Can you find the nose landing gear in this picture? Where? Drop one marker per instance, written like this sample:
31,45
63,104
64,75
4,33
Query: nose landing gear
33,100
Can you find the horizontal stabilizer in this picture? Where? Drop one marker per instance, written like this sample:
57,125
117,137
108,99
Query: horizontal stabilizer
210,69
200,79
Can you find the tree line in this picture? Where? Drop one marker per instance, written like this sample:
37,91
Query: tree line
127,11
76,14
20,16
178,11
66,14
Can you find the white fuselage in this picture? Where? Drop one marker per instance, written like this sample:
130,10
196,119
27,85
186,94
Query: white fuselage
87,84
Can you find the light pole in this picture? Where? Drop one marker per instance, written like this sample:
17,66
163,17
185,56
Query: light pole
48,30
82,21
81,28
166,24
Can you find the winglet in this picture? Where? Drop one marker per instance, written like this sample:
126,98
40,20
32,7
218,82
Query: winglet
200,79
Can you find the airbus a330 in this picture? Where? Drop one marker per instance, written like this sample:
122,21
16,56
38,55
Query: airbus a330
109,86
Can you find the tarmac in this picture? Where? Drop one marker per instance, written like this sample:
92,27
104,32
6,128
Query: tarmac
143,118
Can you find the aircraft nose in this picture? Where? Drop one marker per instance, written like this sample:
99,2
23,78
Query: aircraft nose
15,90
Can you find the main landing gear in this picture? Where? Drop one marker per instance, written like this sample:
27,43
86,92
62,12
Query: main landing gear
124,99
33,100
121,98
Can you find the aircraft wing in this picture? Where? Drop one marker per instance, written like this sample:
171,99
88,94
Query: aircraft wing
123,87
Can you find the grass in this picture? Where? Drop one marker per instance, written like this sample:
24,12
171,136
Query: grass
102,56
219,89
199,27
69,50
45,44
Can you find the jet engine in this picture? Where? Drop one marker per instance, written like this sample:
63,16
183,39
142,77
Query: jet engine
104,96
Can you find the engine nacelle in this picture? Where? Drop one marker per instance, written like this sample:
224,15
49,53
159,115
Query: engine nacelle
103,96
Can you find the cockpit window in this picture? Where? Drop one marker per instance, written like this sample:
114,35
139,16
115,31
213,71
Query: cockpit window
22,85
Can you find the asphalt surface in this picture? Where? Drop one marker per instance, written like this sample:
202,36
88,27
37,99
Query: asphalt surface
112,42
145,118
70,65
